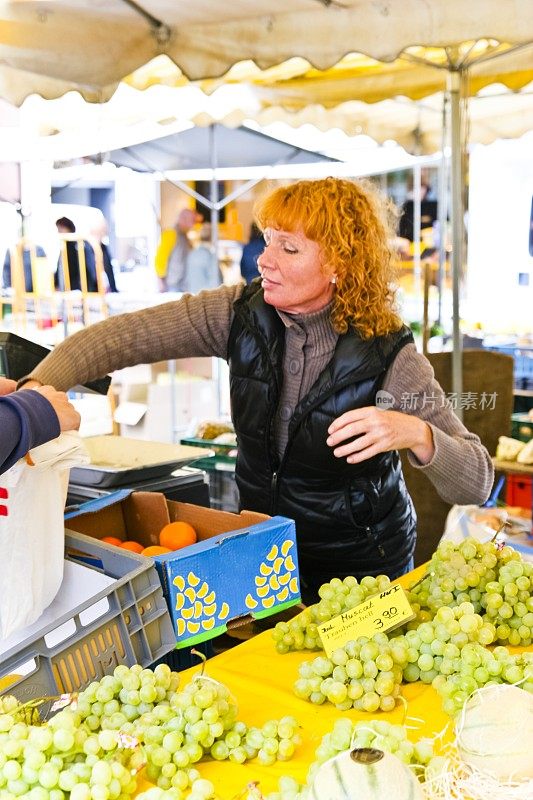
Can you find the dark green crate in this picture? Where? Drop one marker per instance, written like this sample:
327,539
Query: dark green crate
221,451
521,427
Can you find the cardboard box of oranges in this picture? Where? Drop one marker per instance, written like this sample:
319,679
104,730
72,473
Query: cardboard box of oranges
215,567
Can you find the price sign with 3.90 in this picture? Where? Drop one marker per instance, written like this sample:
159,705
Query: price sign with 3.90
382,612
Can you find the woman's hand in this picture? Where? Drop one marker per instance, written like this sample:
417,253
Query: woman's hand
7,386
69,419
378,432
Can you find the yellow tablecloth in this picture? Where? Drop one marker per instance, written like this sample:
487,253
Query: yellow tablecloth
261,681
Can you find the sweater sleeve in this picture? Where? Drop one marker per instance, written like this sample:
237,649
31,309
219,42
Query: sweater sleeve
461,468
194,325
27,420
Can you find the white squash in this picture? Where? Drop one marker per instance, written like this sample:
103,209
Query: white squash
365,774
525,456
508,449
495,732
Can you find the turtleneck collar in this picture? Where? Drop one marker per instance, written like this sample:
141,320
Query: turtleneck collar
318,328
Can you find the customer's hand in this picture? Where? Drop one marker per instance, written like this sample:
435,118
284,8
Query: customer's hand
30,385
378,431
69,419
7,386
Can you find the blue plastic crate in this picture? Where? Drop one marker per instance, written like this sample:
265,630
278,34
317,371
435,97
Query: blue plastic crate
523,369
523,363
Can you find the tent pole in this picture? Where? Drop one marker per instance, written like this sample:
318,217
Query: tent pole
454,83
442,206
417,225
213,188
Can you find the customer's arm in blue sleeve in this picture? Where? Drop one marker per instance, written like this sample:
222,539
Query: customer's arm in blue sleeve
27,419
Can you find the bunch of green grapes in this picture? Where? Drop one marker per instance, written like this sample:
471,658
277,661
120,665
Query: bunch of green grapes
337,596
124,696
191,726
202,722
508,603
346,735
135,718
364,674
434,647
492,578
64,759
179,726
458,573
476,667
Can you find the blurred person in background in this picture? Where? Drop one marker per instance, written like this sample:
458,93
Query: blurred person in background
7,276
31,418
173,251
428,213
250,253
65,225
101,233
203,271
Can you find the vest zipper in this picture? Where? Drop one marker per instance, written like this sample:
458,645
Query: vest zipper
274,493
372,537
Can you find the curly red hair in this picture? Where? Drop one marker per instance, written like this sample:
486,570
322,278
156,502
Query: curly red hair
354,228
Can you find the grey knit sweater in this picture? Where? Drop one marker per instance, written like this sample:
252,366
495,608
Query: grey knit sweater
199,325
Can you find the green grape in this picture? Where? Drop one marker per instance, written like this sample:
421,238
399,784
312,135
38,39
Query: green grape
370,701
411,673
265,758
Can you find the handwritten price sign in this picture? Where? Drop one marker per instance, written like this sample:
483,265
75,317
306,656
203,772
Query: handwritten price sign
380,613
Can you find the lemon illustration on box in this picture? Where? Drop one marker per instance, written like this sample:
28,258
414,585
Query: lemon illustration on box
197,605
252,571
276,582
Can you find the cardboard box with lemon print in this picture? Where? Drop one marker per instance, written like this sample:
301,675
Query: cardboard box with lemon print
243,565
251,571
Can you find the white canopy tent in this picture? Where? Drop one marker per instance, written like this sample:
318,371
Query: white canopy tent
68,127
90,45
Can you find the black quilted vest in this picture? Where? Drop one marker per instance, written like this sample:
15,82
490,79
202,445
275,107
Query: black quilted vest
351,519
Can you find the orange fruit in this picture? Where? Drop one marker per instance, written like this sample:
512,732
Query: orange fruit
155,550
112,540
135,547
176,535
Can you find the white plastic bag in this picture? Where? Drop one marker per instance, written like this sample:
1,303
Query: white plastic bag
482,523
478,523
32,537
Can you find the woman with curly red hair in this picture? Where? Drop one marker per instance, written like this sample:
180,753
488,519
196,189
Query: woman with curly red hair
316,351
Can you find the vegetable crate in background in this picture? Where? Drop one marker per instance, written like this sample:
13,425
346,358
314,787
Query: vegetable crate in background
518,490
220,471
522,427
523,364
126,622
523,370
223,492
